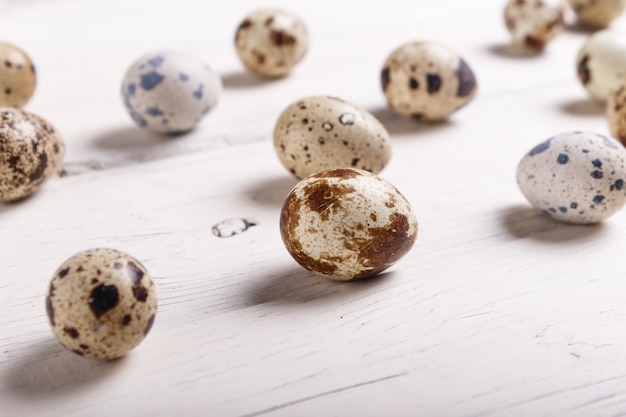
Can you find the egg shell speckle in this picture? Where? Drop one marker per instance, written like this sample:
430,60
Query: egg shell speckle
616,114
597,13
347,224
270,42
575,177
533,22
427,81
31,149
17,76
170,91
601,63
321,132
101,303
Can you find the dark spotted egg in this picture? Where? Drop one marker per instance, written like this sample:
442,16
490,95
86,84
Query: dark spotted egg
575,177
31,149
17,76
601,63
101,303
322,132
427,81
533,23
170,91
597,13
347,224
270,42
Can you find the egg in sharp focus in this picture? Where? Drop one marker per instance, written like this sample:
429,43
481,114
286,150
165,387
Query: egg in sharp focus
601,63
101,303
347,224
17,76
322,132
170,91
575,177
533,23
597,13
31,149
270,42
427,81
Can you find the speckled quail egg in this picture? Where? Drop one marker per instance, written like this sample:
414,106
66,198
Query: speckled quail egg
597,13
601,63
101,303
533,22
616,114
321,132
427,81
170,91
271,42
347,224
31,149
575,177
17,76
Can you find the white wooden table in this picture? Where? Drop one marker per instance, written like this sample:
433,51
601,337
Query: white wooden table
497,310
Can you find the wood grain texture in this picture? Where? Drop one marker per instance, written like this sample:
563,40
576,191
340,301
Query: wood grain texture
496,311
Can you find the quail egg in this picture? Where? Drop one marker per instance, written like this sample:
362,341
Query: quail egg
101,303
601,63
616,114
347,224
170,91
597,13
533,22
17,76
321,132
31,149
271,42
427,81
575,177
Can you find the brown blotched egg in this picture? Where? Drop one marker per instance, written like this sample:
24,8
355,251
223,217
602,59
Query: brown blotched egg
347,224
271,42
597,13
533,22
322,132
427,81
30,151
101,303
616,114
17,76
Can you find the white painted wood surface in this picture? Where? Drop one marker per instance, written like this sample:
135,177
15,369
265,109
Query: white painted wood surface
497,310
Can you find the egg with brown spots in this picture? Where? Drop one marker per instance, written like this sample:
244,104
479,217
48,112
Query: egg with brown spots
17,76
533,23
427,81
616,114
321,132
347,224
575,177
101,303
31,149
597,13
601,63
270,42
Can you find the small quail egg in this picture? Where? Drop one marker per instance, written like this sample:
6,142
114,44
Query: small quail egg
597,13
271,42
347,224
616,114
575,177
30,151
17,76
322,132
427,81
532,22
101,303
170,91
601,63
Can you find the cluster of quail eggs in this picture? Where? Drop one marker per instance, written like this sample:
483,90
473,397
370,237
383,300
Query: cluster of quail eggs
342,220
